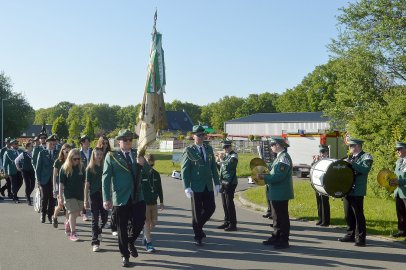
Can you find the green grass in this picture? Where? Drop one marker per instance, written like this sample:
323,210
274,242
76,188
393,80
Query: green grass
380,214
164,165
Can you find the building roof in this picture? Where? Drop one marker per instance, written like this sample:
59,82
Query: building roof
178,120
292,117
34,130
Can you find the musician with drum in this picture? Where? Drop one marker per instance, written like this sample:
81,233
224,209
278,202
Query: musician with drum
400,191
280,192
354,201
323,204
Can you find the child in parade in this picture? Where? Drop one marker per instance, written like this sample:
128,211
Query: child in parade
71,186
24,165
152,189
93,187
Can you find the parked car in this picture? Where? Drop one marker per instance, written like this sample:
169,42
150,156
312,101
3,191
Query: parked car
301,170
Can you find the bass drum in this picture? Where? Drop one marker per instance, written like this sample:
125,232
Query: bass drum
332,177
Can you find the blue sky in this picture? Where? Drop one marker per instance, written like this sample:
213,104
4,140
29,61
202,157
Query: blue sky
97,51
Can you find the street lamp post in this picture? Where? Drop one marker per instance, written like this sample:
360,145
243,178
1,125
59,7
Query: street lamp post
2,120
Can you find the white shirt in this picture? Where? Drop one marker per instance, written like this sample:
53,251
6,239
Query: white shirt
131,156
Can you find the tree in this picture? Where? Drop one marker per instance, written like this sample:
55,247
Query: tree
257,103
89,129
74,131
224,110
60,127
127,116
18,114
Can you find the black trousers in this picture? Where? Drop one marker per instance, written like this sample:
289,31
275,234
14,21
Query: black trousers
203,207
47,199
227,197
130,221
323,209
281,222
7,186
16,183
96,207
29,181
401,213
269,210
354,216
113,220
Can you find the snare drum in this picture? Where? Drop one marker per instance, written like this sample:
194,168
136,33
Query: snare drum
332,177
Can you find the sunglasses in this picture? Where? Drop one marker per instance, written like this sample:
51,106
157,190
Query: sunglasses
75,159
200,135
127,140
272,144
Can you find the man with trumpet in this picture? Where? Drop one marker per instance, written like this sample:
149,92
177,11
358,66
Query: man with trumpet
280,192
400,191
228,179
354,202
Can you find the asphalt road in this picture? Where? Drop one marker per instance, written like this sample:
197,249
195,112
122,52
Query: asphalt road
25,243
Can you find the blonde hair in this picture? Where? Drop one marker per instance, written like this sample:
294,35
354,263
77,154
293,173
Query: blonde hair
92,162
68,164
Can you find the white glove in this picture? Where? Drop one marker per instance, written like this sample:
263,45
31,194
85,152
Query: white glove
188,193
217,189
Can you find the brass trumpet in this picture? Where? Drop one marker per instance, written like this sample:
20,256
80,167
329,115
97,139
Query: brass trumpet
384,178
258,166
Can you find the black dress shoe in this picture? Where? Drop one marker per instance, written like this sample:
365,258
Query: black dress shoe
231,228
281,245
267,215
324,224
133,251
42,219
399,234
198,242
360,243
346,239
318,223
223,226
125,262
271,241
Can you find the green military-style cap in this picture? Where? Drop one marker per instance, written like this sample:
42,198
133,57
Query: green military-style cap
227,143
126,133
198,129
400,145
355,141
51,138
13,141
84,138
279,140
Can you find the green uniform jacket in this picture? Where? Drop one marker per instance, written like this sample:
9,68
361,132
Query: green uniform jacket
279,178
118,178
400,171
73,185
8,161
362,165
44,167
152,186
198,174
228,168
35,153
95,180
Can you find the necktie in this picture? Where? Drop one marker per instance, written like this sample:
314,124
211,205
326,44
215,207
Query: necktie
50,154
128,160
201,153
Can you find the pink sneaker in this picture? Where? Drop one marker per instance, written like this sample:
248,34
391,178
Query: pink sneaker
67,228
74,237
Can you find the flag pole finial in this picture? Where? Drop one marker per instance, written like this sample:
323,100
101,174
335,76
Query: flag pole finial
155,18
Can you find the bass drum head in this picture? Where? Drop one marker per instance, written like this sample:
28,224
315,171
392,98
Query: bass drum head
338,179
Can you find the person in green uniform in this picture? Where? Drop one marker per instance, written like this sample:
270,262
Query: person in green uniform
323,203
41,145
199,172
93,188
24,165
11,170
44,175
71,188
400,191
229,181
354,202
121,173
280,192
152,190
63,154
7,185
